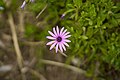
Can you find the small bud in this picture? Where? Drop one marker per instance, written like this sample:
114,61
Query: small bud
1,8
23,5
63,15
32,0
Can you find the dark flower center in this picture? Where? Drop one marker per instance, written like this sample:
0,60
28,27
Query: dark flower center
59,39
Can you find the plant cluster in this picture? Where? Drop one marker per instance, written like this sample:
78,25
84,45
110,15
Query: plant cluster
94,27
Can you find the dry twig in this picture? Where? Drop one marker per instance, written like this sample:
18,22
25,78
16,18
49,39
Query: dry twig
40,76
16,45
78,70
41,11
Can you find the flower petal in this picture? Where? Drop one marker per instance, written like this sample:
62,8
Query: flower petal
64,32
51,33
51,42
60,46
53,45
63,47
61,30
67,36
57,30
54,31
49,37
66,40
65,44
56,48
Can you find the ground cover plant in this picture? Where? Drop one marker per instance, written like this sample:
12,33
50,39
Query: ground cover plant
59,40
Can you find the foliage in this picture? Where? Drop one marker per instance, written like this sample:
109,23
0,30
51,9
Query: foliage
94,26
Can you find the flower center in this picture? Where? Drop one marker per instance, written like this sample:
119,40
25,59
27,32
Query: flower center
59,39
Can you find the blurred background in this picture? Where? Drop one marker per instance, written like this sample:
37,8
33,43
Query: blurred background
94,52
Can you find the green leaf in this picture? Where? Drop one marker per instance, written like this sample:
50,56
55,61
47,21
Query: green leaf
117,15
77,3
2,3
83,37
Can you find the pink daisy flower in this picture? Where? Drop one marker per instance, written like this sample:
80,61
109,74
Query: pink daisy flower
59,39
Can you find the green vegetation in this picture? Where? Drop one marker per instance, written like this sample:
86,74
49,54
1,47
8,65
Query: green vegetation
93,24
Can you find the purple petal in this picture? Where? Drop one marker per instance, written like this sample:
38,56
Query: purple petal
51,42
49,37
57,30
67,36
51,34
63,47
56,48
65,44
61,30
60,46
64,32
53,45
54,31
66,40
